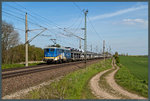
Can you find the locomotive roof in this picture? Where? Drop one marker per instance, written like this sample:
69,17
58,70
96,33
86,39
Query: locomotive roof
57,48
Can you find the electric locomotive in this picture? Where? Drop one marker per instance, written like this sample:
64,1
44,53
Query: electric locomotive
55,54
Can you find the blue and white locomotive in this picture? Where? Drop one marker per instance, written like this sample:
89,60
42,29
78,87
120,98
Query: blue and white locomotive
55,54
58,55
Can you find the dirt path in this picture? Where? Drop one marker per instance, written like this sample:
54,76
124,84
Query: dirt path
103,86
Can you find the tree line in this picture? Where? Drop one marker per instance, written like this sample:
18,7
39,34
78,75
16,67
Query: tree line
12,50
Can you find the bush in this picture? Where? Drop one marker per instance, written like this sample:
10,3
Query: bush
116,56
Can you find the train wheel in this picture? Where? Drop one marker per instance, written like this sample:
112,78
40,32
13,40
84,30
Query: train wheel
60,61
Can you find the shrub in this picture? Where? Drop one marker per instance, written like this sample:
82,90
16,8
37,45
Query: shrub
116,56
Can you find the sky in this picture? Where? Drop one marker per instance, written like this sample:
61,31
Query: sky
123,25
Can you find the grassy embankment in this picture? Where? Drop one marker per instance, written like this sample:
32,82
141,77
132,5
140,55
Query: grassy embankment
133,74
72,86
8,66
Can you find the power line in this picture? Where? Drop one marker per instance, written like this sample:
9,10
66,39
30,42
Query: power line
78,7
8,10
77,19
94,28
40,16
56,25
78,26
12,15
16,8
25,11
88,19
19,29
22,19
21,15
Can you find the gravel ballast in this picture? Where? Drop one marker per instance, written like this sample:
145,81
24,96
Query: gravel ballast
14,84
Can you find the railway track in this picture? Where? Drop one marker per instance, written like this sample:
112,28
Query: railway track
33,69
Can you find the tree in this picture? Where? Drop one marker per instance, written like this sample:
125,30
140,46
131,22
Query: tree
10,38
116,56
57,45
18,53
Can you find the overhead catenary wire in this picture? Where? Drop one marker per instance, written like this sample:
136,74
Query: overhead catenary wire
76,20
56,25
22,19
78,7
15,8
90,22
10,12
78,26
87,17
39,16
13,11
94,28
19,29
24,11
33,23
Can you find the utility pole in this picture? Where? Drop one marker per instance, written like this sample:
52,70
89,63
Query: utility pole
85,40
26,39
104,49
96,49
107,52
79,43
110,50
91,47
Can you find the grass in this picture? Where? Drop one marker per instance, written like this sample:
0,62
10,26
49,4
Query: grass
133,74
8,66
73,86
137,65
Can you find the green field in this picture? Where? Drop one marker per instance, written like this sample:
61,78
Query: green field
138,65
133,74
72,86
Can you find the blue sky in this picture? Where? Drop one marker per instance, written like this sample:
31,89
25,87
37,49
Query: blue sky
123,25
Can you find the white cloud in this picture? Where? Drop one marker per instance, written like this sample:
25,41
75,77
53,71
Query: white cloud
108,15
135,21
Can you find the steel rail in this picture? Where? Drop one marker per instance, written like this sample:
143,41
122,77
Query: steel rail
24,71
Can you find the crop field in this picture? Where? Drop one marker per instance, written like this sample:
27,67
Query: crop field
138,65
133,74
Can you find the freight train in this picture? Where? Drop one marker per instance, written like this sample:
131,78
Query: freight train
66,54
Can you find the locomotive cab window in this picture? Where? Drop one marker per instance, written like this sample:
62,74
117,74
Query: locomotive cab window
52,50
46,50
